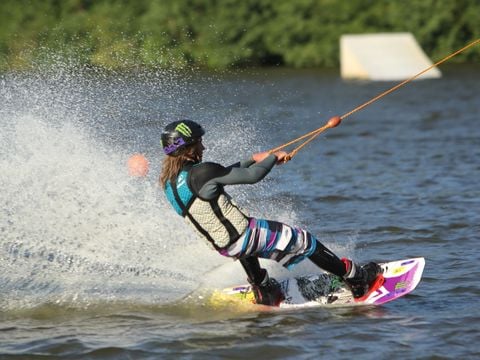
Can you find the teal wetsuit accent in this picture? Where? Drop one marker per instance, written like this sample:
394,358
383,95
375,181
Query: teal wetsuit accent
184,192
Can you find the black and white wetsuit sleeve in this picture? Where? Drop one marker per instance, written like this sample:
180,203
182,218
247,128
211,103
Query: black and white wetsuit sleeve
208,179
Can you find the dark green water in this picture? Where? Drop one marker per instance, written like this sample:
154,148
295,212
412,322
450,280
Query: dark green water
95,265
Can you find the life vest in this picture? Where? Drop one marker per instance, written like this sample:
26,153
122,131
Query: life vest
219,220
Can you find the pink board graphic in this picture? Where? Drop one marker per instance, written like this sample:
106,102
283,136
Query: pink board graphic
401,277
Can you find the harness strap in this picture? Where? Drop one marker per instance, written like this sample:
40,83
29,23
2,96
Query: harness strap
232,232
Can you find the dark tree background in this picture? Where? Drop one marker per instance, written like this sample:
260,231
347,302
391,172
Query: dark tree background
222,33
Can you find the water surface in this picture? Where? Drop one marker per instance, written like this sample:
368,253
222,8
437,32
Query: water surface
95,265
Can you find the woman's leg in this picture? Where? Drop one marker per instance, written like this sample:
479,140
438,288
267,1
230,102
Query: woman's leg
359,279
252,267
273,240
289,245
328,261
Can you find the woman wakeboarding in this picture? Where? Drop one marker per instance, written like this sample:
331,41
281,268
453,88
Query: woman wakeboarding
195,189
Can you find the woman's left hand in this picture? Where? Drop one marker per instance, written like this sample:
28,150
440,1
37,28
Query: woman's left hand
282,157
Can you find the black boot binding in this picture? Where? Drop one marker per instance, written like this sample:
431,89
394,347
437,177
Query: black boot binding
359,279
268,292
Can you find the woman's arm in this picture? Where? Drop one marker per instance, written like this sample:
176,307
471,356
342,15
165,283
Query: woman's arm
259,157
242,164
248,175
208,179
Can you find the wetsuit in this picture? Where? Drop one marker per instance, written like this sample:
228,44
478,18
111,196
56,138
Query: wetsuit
198,195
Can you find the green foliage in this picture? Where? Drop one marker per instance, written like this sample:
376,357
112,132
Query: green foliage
222,33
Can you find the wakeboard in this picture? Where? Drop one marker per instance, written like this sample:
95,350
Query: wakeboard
398,279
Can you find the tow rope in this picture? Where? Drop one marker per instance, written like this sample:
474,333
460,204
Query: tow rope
336,120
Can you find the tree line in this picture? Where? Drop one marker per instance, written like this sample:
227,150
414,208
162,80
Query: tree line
218,34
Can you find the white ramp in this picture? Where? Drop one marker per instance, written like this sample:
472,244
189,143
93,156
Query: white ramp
383,57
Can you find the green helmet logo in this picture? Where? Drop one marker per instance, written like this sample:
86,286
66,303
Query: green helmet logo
183,129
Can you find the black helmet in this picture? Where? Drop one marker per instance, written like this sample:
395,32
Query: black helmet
179,134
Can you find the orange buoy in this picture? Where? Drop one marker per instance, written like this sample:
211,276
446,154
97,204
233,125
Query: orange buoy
137,165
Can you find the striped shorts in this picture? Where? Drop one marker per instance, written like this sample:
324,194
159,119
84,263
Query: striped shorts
273,240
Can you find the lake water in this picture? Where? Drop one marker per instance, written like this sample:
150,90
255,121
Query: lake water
95,265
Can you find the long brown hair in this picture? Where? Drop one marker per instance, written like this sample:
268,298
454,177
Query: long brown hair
172,165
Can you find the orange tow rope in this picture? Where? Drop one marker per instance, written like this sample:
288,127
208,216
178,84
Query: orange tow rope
336,120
